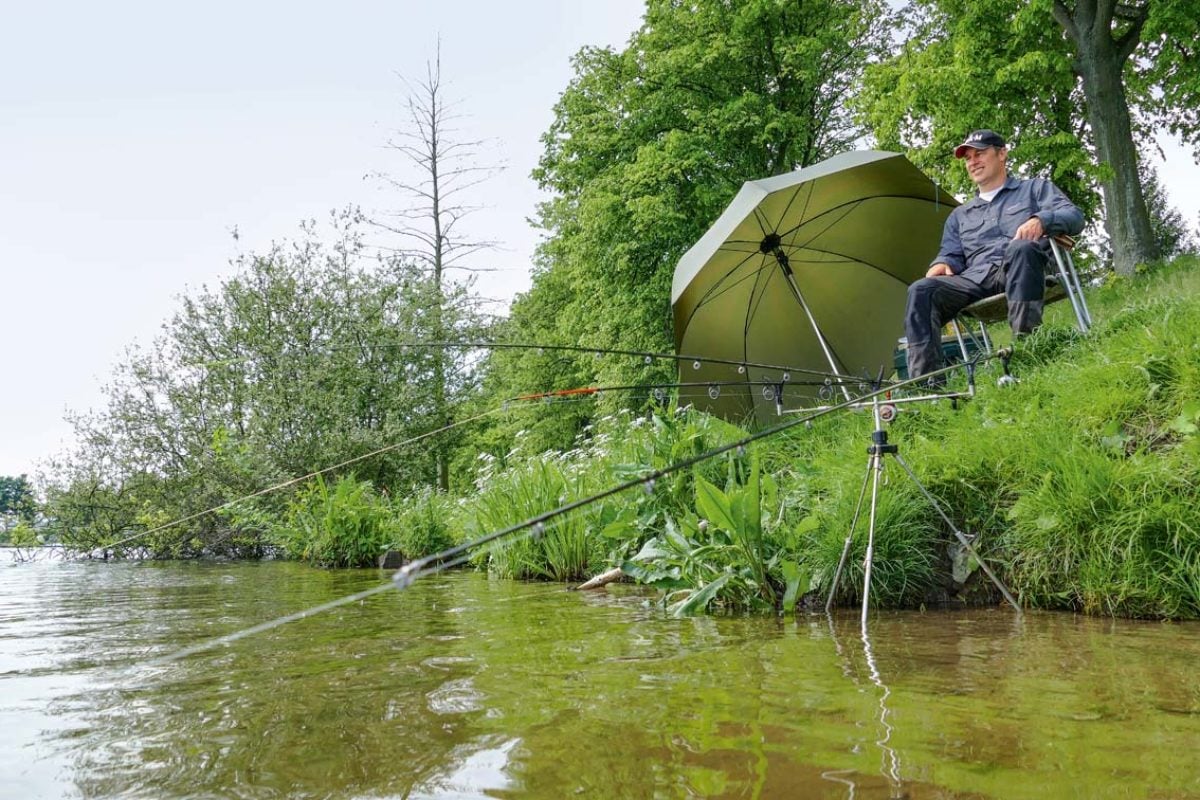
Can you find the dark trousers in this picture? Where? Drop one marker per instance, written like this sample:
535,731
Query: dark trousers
932,302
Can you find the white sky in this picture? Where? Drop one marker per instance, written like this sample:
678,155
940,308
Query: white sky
135,135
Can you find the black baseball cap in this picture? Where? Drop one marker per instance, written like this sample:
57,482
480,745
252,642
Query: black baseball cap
979,140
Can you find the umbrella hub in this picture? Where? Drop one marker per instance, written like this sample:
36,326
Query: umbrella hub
770,245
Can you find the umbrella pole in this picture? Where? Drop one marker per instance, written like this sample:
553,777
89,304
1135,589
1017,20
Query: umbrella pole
790,277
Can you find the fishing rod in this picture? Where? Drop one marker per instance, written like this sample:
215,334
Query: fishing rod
291,482
580,391
712,390
567,396
648,357
771,391
535,527
424,566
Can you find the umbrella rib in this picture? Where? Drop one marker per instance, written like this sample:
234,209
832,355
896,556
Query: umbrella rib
752,306
728,288
719,284
846,258
847,209
761,219
709,296
808,199
725,247
750,311
757,293
849,206
855,203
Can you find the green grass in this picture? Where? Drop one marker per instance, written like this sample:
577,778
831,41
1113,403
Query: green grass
340,525
1082,477
1079,481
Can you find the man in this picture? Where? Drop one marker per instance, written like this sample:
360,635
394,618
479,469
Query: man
995,243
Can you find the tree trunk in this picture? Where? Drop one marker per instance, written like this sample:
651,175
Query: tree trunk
1099,62
1127,219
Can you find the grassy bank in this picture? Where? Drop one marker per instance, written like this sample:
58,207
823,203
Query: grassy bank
1080,482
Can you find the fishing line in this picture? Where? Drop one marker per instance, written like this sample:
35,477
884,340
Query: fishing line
536,526
648,357
294,481
263,627
712,389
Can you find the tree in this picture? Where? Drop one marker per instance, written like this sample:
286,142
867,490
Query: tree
17,501
429,226
650,143
1076,84
296,363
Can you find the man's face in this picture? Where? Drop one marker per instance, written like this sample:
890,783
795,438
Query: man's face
986,166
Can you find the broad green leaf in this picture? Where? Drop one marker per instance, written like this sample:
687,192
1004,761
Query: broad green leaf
797,583
648,575
652,549
807,525
770,491
675,538
1183,425
617,529
714,505
698,601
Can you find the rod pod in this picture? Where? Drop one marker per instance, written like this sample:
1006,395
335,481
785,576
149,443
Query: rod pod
879,448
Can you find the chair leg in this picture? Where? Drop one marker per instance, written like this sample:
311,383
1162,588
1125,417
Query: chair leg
987,340
1070,259
962,346
1070,284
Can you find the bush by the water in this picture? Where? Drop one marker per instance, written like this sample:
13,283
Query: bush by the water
340,525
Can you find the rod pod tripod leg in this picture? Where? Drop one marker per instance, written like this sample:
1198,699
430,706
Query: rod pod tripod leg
880,447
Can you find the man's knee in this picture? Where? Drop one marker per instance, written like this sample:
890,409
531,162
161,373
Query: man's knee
1025,251
921,291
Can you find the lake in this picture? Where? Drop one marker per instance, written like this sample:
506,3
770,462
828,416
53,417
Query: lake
461,686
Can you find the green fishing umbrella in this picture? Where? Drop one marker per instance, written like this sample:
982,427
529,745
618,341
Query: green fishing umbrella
801,283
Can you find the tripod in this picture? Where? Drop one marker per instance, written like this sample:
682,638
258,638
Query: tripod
879,448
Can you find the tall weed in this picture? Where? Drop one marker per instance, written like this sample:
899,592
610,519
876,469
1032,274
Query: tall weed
421,523
343,525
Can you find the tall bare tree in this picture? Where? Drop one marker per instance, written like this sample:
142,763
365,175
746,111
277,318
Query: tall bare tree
440,169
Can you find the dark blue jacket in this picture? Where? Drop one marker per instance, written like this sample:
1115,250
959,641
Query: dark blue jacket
978,232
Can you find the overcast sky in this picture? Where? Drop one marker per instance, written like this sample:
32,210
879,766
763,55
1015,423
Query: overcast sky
134,136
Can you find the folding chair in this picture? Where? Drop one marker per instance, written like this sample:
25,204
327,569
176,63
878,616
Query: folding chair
1063,284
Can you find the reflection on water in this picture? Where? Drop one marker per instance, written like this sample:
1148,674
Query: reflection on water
465,687
891,761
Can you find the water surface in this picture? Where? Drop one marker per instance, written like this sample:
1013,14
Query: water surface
467,687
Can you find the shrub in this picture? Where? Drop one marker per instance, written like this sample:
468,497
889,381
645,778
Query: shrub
346,525
421,523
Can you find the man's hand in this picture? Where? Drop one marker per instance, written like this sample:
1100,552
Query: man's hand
939,269
1031,230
